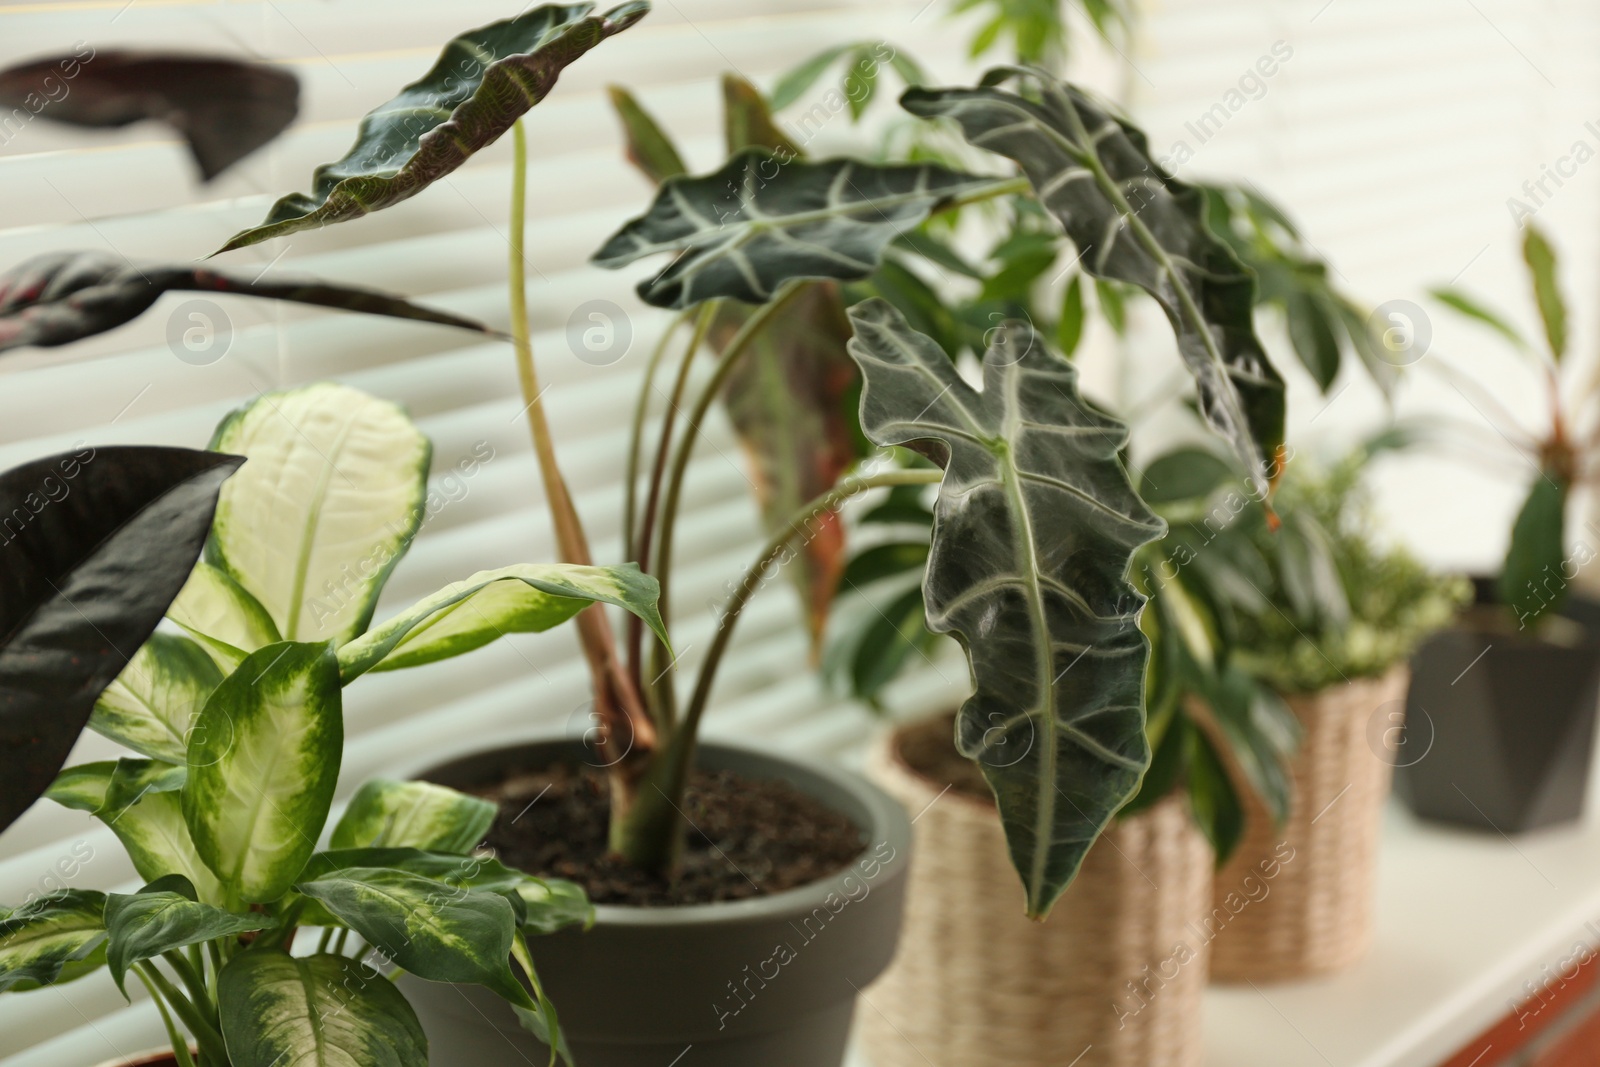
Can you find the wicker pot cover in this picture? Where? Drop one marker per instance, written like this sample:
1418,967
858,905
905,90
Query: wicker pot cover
1114,978
1297,901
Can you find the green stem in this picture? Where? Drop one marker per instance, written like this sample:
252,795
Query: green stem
659,662
664,713
630,495
194,981
326,940
205,1035
626,726
657,816
180,1044
340,942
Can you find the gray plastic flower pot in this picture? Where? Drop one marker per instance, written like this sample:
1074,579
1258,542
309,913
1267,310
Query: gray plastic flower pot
1500,727
769,982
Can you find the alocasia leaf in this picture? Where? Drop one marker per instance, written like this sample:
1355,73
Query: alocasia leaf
263,760
97,544
1034,530
224,108
1541,260
1135,224
759,221
315,1011
327,506
747,120
438,932
43,938
1537,552
155,698
61,297
387,813
163,916
483,82
525,598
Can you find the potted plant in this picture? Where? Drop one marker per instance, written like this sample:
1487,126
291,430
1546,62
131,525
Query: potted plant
1502,706
1318,620
258,947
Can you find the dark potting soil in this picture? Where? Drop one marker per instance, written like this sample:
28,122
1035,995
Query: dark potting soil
747,837
929,748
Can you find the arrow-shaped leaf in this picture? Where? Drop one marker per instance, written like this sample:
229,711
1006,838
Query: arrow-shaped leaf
315,1011
61,297
97,544
224,108
484,81
1034,529
758,222
1134,223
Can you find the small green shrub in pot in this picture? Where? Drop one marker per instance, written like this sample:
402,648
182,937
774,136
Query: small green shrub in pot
260,942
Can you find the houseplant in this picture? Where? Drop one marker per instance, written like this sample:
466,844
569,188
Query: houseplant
1509,696
1317,615
236,718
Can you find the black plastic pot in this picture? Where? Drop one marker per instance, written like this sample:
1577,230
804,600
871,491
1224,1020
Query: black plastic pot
1500,727
770,982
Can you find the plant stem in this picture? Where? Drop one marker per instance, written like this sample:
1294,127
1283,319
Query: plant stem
626,728
180,1044
664,713
205,1035
195,983
630,495
657,813
660,667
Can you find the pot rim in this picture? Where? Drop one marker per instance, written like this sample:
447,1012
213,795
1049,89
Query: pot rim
886,820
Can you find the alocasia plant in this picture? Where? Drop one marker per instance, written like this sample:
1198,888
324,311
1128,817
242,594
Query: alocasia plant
237,722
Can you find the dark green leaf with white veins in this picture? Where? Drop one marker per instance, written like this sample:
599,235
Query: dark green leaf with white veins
163,916
524,598
1034,529
41,939
387,813
263,761
439,932
1134,223
758,222
155,698
483,82
327,505
315,1011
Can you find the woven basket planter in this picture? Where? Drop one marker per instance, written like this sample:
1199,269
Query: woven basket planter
1114,978
1297,901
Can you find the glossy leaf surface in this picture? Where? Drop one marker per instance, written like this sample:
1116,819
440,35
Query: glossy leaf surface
1034,530
483,82
758,222
97,544
1135,224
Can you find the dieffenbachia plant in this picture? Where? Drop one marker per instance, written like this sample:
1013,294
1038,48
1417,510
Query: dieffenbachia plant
256,943
1538,571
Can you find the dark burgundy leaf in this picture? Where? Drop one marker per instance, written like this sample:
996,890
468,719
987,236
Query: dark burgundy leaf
94,545
224,108
62,297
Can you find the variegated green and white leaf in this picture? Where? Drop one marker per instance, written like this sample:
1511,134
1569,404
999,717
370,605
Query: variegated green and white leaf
545,904
217,612
153,701
263,761
315,1011
1134,223
43,939
1034,530
468,614
329,501
436,931
156,838
385,813
484,81
108,788
83,788
163,916
746,229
